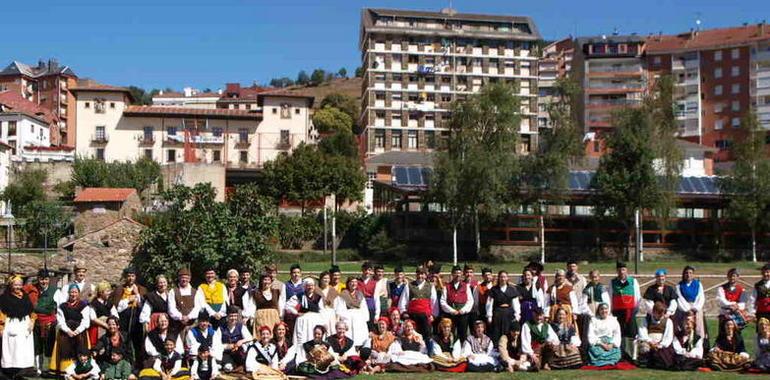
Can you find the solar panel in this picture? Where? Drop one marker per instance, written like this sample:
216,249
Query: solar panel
574,181
415,176
697,182
711,184
402,178
426,174
685,186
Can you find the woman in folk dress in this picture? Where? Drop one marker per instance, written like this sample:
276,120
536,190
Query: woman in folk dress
18,338
354,310
330,298
265,304
72,321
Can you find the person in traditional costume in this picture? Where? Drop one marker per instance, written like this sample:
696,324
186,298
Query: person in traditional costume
577,280
264,304
353,309
419,300
262,357
87,290
409,352
18,338
127,299
272,271
688,347
287,353
732,299
101,308
245,280
480,294
204,334
656,334
344,351
691,299
83,367
336,278
317,361
112,341
375,349
565,354
235,335
530,297
72,321
760,296
116,368
434,277
537,275
306,307
729,351
45,324
367,284
204,366
168,366
502,306
480,350
381,290
397,285
293,287
330,298
604,338
661,292
560,295
446,349
509,348
155,304
594,293
469,277
762,362
457,302
396,325
212,296
155,342
234,290
624,293
537,338
183,307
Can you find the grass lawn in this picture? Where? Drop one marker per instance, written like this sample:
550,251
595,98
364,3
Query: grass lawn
567,374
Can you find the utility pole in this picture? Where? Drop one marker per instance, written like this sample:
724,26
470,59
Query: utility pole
334,229
326,233
637,247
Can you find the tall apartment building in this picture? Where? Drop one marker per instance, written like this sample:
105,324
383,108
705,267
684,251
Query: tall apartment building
612,75
416,63
48,85
720,74
555,63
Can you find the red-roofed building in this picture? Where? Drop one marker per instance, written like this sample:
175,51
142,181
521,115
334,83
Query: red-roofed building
97,206
27,127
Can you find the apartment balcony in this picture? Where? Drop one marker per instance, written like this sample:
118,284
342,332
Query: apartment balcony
242,143
611,103
687,82
679,64
199,139
284,144
100,138
689,128
761,56
684,115
145,139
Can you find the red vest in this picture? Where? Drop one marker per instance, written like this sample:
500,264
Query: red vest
457,298
368,288
763,297
733,295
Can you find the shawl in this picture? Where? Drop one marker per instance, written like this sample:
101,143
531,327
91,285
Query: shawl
736,345
16,306
81,368
538,335
381,343
330,296
564,333
689,292
688,341
350,301
594,292
281,349
479,346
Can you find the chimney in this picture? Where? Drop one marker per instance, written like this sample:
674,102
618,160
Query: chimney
53,64
761,27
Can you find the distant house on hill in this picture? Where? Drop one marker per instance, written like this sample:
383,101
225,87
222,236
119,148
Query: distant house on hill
97,207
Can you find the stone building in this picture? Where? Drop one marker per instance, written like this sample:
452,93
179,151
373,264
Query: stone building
96,207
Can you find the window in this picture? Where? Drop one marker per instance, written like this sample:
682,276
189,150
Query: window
736,105
244,156
719,107
100,154
275,110
148,154
216,156
736,88
411,140
719,124
285,137
395,140
243,135
430,139
101,135
718,55
99,105
147,133
736,122
723,144
285,111
736,53
171,155
11,128
87,105
171,131
656,60
296,111
718,89
379,139
112,105
718,72
735,71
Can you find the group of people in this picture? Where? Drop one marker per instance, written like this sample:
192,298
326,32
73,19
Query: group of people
324,327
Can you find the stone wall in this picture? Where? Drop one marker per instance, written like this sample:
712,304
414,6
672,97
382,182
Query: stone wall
58,172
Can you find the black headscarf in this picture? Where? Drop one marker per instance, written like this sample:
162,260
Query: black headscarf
15,307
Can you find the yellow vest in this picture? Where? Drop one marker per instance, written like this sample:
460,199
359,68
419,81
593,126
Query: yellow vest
213,293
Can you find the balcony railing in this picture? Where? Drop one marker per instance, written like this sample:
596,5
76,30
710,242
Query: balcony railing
283,144
614,102
242,143
100,138
145,139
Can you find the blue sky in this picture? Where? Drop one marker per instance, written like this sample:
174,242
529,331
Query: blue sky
175,43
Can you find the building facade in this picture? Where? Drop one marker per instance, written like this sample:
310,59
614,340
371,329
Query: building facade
416,63
48,85
189,97
555,63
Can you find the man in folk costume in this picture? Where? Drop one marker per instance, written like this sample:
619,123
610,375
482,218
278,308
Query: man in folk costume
760,298
577,280
335,279
480,294
235,335
457,302
419,300
368,284
561,296
203,334
625,298
127,299
245,280
594,294
537,337
293,287
690,300
45,309
661,292
183,307
86,288
234,289
18,339
212,297
732,298
397,285
381,291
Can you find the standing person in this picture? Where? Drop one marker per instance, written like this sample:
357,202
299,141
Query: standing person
381,291
18,338
732,298
293,287
245,280
264,304
469,277
101,308
760,297
367,284
624,293
127,298
561,296
457,303
690,299
330,299
183,307
272,271
531,298
72,321
604,338
234,337
336,278
234,290
85,287
352,308
661,292
397,285
419,300
480,293
537,275
45,309
306,309
155,304
502,307
536,338
593,294
655,337
575,279
212,296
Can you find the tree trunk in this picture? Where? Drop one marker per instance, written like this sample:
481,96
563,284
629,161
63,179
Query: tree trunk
454,245
754,244
542,239
478,232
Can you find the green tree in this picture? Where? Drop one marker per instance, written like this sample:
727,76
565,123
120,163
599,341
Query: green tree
330,120
344,178
45,223
340,144
25,188
342,73
196,231
342,102
281,82
748,185
317,77
359,72
302,78
296,177
483,133
90,172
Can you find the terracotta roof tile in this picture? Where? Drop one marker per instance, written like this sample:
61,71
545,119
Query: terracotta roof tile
181,95
708,39
191,112
16,103
104,194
